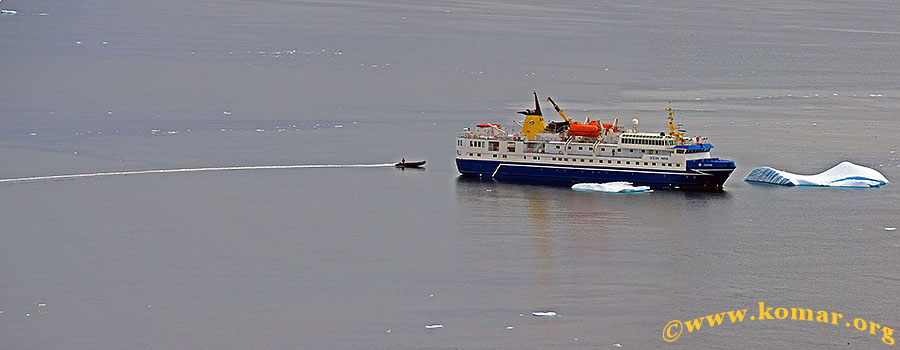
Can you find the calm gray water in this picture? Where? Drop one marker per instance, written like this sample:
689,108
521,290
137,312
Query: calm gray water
365,258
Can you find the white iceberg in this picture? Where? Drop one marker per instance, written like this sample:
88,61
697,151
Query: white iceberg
845,174
611,187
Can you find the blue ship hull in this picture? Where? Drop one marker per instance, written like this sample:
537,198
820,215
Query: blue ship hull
702,173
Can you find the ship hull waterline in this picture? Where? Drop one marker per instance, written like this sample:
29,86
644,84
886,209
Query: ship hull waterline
705,176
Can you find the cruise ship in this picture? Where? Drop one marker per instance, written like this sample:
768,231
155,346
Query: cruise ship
572,152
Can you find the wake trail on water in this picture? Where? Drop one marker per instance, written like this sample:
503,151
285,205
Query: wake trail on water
190,170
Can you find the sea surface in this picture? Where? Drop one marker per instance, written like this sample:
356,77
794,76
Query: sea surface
367,257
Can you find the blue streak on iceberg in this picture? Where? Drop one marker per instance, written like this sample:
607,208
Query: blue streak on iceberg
845,174
611,187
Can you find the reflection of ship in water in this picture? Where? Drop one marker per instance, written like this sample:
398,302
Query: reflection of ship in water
546,242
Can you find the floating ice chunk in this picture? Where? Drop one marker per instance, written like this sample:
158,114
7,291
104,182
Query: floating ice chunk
9,12
617,345
41,304
33,134
544,314
434,326
845,174
339,126
611,187
890,229
388,331
226,113
510,327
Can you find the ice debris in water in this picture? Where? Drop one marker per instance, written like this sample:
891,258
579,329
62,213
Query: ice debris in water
845,174
544,313
611,187
434,326
890,229
9,12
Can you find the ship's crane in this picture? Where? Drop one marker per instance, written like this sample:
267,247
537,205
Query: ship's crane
561,114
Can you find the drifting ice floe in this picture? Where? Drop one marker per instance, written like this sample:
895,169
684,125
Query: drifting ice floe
611,187
544,313
845,174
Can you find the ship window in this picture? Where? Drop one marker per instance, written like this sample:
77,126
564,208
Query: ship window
582,160
591,161
642,151
579,148
654,164
511,147
504,156
629,163
591,148
645,163
678,164
618,162
557,147
479,154
602,149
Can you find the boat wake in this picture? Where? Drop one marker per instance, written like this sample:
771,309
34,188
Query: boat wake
845,174
191,170
611,187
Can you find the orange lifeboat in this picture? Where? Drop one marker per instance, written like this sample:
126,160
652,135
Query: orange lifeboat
591,129
487,125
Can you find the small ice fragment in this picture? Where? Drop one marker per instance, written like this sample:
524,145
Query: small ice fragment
488,190
892,152
611,187
259,130
834,94
890,229
226,113
544,313
521,315
617,345
33,134
510,327
1,312
27,315
814,124
434,326
388,331
339,126
105,42
431,295
149,306
108,112
8,12
41,304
